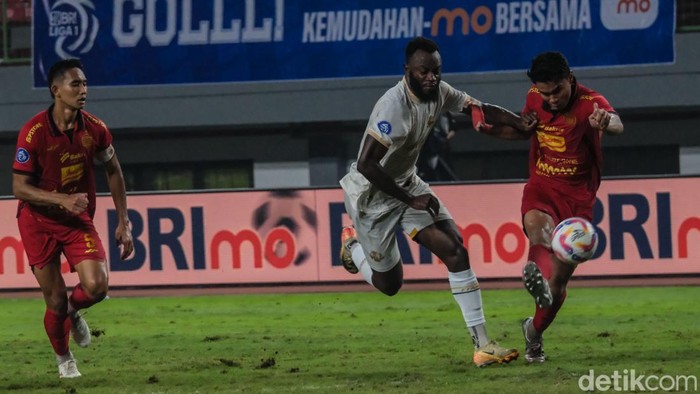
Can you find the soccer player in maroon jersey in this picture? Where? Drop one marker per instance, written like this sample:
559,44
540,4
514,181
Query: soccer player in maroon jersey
54,180
565,165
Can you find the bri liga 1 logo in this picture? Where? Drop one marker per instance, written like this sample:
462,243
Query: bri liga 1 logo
72,24
22,156
384,127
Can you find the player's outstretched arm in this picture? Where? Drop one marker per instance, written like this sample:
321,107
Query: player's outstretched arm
505,124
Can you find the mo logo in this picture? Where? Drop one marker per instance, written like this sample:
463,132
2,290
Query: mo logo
628,14
480,20
634,6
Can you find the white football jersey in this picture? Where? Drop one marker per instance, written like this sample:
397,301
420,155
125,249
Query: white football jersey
402,122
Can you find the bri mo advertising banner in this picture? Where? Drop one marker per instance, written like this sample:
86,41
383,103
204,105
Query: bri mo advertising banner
152,42
646,227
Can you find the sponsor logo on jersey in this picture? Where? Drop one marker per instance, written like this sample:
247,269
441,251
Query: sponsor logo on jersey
94,120
87,141
30,133
22,156
555,170
552,138
384,127
70,157
72,173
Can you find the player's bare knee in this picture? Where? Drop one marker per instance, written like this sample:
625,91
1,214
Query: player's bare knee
57,301
388,285
96,289
100,295
457,261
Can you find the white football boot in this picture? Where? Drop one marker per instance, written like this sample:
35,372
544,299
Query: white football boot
68,369
79,329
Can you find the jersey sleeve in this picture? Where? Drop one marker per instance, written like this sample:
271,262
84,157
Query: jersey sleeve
101,133
590,99
104,151
104,140
530,100
26,155
455,99
603,103
388,122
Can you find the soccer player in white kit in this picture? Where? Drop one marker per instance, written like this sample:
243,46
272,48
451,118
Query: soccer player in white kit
382,190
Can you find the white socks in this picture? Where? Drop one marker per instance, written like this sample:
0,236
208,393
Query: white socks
465,289
358,257
62,359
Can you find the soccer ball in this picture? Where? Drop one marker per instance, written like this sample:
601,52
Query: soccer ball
574,240
290,209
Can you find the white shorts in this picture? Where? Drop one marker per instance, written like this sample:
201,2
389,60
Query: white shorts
379,215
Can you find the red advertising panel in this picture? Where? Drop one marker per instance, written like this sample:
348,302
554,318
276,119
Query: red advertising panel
646,227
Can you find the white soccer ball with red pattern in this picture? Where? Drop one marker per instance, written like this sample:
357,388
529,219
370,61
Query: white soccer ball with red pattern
574,240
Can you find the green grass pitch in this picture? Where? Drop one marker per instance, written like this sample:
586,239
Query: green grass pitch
360,342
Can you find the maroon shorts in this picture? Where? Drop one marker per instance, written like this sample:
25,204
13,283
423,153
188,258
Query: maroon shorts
44,238
558,201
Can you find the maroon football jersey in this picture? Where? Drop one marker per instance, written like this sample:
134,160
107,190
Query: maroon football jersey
61,161
566,151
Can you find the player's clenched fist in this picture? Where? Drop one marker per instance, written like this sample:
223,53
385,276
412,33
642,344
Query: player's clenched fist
600,118
75,203
426,202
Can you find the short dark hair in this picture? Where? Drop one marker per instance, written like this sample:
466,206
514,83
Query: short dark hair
423,43
60,67
549,67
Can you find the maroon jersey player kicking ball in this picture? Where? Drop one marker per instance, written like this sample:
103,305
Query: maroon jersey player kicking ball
565,165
